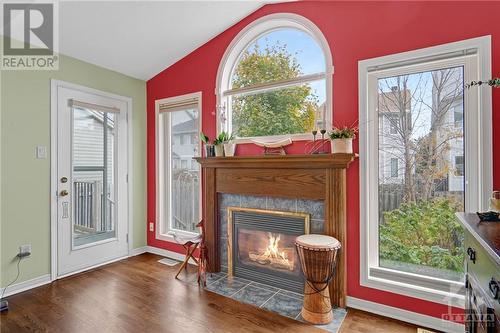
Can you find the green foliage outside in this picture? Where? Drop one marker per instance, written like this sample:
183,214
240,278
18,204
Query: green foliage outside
284,111
423,233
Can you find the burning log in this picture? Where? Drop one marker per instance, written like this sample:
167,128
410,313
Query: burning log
273,255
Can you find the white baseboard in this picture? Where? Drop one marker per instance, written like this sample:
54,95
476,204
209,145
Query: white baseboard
137,251
46,279
404,315
26,285
167,253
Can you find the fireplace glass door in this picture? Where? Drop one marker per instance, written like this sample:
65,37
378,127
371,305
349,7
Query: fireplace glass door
264,248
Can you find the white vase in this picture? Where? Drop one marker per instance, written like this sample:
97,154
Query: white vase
229,149
342,146
219,150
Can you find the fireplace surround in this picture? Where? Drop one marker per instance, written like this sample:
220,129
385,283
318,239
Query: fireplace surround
292,177
261,248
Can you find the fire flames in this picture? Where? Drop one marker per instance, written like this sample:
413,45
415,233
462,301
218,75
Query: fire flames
273,255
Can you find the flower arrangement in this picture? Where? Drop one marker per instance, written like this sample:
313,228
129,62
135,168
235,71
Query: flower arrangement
341,138
343,133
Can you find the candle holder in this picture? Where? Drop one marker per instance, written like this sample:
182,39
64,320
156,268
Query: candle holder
316,146
323,150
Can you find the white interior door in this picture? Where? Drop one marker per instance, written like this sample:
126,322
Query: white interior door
92,222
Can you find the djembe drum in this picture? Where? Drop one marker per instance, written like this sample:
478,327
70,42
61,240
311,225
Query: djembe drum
318,259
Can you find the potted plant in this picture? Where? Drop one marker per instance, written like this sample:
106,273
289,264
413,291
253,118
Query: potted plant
342,139
219,145
220,142
229,145
209,148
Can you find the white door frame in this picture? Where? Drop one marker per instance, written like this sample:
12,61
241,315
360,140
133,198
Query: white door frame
54,85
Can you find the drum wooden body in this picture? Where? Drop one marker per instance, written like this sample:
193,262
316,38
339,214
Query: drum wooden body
318,255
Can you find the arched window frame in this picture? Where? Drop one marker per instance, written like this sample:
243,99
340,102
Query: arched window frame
250,33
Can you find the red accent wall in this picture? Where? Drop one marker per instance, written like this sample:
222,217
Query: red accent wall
354,31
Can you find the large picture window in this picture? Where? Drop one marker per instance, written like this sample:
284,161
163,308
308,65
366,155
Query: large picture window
275,80
179,123
425,151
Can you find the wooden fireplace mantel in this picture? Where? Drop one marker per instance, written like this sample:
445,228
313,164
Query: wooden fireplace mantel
315,177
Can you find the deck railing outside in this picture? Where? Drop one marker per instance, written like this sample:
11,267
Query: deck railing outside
186,192
88,213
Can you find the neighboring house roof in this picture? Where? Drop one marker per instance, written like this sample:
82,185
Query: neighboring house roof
391,101
185,127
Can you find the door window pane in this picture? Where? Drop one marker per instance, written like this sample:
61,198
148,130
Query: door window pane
421,183
93,147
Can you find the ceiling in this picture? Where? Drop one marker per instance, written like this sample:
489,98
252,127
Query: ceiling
140,39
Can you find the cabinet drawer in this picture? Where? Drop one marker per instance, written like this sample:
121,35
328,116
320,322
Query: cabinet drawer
483,268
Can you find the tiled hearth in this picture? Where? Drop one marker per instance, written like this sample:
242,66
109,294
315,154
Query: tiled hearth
283,302
267,297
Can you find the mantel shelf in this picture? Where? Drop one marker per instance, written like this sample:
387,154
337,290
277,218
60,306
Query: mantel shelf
319,161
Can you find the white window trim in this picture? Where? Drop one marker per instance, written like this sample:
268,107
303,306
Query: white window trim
162,195
253,31
478,163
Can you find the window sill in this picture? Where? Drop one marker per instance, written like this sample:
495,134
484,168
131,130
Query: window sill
431,289
169,237
274,138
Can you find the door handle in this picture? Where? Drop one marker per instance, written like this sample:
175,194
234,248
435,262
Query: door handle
63,193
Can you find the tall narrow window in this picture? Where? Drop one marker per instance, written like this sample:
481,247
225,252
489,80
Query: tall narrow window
276,80
425,145
394,168
459,165
417,172
179,174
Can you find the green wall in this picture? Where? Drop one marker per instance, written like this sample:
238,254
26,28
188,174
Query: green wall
25,180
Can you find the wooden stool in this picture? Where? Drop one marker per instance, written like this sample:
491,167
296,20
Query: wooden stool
190,244
318,258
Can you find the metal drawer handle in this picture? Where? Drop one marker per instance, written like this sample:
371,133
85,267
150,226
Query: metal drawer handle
472,254
494,288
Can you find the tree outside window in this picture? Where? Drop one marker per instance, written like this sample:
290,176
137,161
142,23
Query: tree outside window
418,232
278,86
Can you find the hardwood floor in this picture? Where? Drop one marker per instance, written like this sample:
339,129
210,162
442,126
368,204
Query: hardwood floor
141,295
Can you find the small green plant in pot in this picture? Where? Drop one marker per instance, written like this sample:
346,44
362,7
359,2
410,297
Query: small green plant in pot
219,144
209,148
341,139
229,144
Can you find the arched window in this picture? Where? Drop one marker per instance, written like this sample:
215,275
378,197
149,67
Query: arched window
275,80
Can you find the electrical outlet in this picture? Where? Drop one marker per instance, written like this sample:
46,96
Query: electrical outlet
151,226
25,250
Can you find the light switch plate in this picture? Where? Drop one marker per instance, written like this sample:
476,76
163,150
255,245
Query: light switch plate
41,152
151,226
